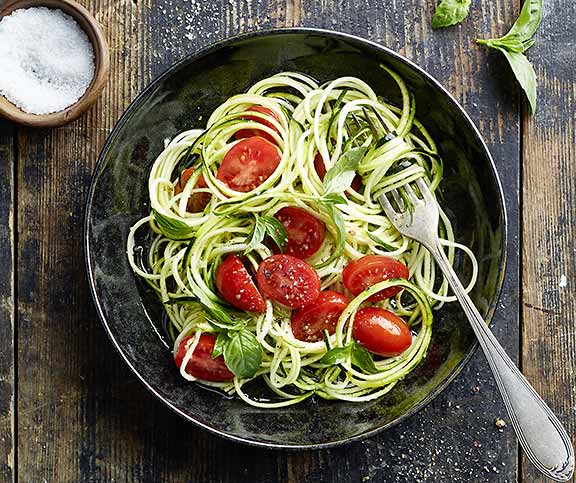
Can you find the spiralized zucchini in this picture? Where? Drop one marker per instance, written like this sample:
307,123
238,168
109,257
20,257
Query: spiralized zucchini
185,248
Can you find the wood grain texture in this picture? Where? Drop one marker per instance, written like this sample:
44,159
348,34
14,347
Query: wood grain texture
549,221
7,382
85,417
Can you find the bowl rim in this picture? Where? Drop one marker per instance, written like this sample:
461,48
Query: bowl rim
95,35
271,32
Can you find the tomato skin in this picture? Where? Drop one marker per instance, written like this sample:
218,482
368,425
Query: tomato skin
237,287
248,133
309,322
288,280
381,331
305,231
361,274
248,164
320,168
197,201
201,364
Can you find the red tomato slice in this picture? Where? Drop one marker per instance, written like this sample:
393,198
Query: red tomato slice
320,168
361,274
237,287
197,201
381,331
248,164
309,323
305,231
248,133
201,364
288,280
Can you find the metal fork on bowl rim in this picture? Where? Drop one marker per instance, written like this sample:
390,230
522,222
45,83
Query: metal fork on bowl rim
542,436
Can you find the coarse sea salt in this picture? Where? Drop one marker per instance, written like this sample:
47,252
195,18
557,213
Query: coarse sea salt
46,60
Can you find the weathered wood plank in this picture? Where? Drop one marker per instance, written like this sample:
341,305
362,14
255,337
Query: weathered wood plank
67,370
549,222
7,386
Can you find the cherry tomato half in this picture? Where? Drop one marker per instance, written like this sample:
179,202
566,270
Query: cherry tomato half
381,331
197,201
248,164
309,323
237,287
288,280
320,168
248,133
201,364
361,274
305,231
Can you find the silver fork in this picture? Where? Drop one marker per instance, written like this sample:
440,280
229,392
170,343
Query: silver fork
542,436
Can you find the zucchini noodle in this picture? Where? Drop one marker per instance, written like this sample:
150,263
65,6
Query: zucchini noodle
177,252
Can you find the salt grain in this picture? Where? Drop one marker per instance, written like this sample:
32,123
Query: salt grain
47,60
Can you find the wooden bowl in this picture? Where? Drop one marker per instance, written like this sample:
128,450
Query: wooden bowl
101,61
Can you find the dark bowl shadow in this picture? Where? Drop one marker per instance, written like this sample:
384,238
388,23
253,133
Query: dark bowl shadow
184,96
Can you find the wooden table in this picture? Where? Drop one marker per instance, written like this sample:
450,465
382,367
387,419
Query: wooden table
69,408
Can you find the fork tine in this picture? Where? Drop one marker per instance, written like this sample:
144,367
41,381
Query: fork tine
379,118
398,199
411,194
370,122
388,208
426,193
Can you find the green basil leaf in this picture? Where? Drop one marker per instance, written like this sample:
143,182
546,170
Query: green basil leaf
524,72
220,344
173,228
332,199
275,230
339,177
243,354
338,220
450,12
267,225
362,359
527,22
335,356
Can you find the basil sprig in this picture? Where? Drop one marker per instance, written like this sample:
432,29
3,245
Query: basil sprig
357,353
267,225
516,42
339,177
242,352
450,12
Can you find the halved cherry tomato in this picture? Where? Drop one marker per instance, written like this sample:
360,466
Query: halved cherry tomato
305,231
309,323
320,168
248,164
381,331
237,287
248,133
201,364
197,201
288,280
361,274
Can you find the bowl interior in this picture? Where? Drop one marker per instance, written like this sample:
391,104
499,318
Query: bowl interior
101,65
184,97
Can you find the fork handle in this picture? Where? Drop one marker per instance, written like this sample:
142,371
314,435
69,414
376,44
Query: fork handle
541,435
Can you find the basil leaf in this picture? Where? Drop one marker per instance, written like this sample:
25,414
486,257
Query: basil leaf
450,12
338,220
172,228
339,177
524,72
362,359
267,225
220,344
335,356
275,230
527,22
243,354
332,199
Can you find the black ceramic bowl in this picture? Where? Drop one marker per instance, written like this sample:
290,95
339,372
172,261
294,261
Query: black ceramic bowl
183,97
